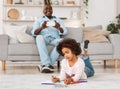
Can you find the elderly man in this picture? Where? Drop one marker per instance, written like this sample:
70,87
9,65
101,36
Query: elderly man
48,30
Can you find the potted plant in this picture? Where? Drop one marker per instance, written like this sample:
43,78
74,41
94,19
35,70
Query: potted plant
114,27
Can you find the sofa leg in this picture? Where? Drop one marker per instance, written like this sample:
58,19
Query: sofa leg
104,63
116,63
3,65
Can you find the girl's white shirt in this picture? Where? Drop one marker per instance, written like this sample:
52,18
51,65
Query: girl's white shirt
77,70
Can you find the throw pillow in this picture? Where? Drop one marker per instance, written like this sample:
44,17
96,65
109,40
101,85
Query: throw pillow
9,30
93,27
23,37
96,35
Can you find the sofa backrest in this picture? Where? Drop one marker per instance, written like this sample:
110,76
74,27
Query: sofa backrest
75,33
93,27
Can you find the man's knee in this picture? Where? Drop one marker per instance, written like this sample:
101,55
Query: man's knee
57,41
39,37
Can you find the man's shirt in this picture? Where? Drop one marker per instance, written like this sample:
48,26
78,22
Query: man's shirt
49,31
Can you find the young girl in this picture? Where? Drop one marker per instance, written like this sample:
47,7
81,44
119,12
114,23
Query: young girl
72,66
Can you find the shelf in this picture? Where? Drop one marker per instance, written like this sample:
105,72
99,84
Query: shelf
18,20
25,5
21,5
66,6
14,20
68,22
33,11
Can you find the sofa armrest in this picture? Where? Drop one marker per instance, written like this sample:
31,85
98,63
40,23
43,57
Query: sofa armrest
3,47
115,40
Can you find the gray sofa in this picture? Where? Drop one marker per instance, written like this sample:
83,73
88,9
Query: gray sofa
28,51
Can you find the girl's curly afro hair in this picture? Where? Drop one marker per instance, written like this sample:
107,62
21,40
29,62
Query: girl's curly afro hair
71,44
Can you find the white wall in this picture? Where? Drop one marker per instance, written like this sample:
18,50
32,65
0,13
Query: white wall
0,17
118,6
101,12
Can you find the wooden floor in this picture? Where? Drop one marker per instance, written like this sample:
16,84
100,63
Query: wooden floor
32,67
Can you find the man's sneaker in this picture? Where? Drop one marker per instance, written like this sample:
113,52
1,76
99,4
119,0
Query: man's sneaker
47,69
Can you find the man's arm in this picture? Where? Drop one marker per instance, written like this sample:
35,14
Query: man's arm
57,25
37,27
62,28
37,31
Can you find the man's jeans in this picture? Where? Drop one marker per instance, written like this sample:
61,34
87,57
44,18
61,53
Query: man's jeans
89,70
42,43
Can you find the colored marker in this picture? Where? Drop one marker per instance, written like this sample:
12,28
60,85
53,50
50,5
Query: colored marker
48,83
80,81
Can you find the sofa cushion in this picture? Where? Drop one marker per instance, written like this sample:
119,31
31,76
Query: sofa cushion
23,37
100,48
24,49
9,30
96,35
75,33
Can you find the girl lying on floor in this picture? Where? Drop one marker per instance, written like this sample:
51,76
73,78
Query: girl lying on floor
73,68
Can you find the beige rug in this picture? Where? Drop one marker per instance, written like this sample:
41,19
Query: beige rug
99,81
